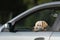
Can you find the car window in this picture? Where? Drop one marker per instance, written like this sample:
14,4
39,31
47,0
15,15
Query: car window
41,20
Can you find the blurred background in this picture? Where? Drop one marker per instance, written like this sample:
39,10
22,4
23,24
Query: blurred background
11,8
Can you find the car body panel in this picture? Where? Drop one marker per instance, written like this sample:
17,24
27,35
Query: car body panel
24,35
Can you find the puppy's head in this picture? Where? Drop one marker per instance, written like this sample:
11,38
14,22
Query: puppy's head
40,25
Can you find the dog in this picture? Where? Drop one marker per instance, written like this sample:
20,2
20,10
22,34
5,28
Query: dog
40,26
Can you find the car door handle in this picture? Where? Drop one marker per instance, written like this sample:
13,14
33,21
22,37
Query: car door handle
40,38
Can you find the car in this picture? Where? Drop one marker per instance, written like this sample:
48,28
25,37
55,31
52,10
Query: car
15,35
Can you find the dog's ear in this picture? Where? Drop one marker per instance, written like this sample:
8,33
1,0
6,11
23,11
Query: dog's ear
44,24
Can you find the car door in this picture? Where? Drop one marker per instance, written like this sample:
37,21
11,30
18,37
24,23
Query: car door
55,36
25,35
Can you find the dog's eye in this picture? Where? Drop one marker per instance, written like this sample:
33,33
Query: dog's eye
36,28
38,25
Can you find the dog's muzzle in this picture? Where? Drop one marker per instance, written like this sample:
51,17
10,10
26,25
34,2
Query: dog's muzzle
38,29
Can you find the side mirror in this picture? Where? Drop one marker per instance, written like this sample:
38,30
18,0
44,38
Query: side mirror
7,28
11,27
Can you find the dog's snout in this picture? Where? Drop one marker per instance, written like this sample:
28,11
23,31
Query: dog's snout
37,28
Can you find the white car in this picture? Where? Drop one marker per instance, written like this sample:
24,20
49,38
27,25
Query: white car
11,35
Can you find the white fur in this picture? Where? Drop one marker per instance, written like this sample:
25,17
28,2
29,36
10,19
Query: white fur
40,25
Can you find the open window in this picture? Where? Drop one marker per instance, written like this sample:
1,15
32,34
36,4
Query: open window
28,22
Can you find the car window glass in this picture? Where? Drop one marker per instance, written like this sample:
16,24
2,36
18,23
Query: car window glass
28,23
